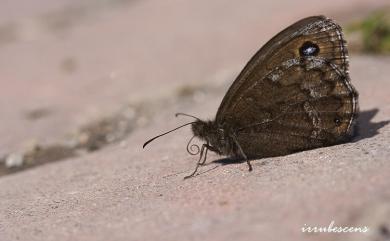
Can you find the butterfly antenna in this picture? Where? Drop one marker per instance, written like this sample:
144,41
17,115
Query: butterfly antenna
146,143
184,114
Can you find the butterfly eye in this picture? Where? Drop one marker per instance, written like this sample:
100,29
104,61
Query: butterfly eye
309,49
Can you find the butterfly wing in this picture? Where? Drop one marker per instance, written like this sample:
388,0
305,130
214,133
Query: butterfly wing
294,94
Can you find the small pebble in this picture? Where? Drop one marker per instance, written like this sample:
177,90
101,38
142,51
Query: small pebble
14,160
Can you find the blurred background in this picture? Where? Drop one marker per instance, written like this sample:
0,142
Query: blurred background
76,75
89,81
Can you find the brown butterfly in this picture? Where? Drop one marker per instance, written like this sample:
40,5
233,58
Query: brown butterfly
294,94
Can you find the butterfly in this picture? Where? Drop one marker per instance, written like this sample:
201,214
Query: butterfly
294,94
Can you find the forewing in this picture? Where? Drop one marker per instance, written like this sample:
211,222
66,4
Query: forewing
285,101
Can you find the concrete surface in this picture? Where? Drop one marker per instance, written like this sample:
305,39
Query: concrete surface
77,62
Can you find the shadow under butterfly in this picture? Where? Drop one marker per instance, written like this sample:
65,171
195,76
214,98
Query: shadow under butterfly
294,94
367,128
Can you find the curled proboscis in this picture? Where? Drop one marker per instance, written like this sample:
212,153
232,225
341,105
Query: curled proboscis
192,149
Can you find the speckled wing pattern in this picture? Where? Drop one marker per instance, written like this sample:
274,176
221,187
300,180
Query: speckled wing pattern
284,101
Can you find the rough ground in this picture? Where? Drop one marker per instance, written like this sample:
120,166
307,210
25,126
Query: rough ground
65,65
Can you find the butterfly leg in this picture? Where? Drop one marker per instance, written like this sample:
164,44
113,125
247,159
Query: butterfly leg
242,153
203,155
208,148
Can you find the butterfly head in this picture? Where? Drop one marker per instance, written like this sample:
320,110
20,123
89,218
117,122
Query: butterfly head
204,130
217,137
